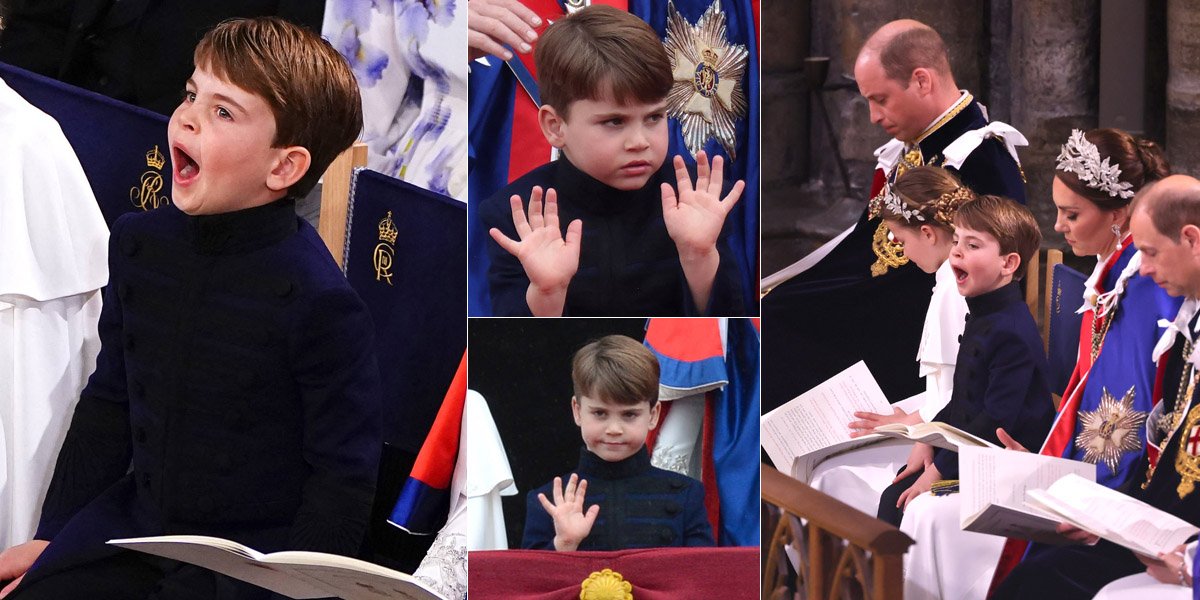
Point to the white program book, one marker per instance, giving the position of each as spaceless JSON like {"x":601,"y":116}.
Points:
{"x":994,"y":483}
{"x":813,"y":426}
{"x":294,"y":574}
{"x":1112,"y":515}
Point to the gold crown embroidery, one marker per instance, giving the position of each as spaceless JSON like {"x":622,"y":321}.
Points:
{"x":605,"y":585}
{"x":145,"y":194}
{"x":384,"y":253}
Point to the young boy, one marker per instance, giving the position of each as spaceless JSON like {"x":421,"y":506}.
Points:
{"x":633,"y":245}
{"x":635,"y":505}
{"x":1000,"y":377}
{"x":236,"y":392}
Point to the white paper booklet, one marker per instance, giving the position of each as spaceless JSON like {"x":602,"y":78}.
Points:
{"x":994,"y":482}
{"x":1112,"y":515}
{"x":813,"y":426}
{"x":935,"y":434}
{"x":294,"y":574}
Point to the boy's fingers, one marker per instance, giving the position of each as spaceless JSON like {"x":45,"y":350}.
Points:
{"x":701,"y":171}
{"x":591,"y":515}
{"x":569,"y":492}
{"x":1008,"y":441}
{"x":518,"y":215}
{"x":510,"y":246}
{"x":908,"y":470}
{"x":535,"y":208}
{"x":717,"y":175}
{"x":551,"y":209}
{"x":12,"y":586}
{"x":668,"y":198}
{"x":558,"y":491}
{"x":734,"y":195}
{"x":575,"y":234}
{"x":682,"y":179}
{"x":580,"y":493}
{"x":545,"y":503}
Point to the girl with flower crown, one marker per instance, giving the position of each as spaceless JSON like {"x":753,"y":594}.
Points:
{"x":1111,"y":389}
{"x":919,"y":211}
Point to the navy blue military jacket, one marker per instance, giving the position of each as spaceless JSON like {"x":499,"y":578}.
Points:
{"x":1164,"y":487}
{"x":641,"y":506}
{"x":875,"y":319}
{"x":235,"y":394}
{"x":1000,"y":376}
{"x":628,"y":265}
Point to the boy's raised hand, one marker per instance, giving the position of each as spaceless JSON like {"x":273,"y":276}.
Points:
{"x":571,"y":524}
{"x":695,"y":216}
{"x":549,"y":260}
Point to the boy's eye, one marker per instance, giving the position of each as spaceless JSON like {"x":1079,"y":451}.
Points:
{"x":189,"y":96}
{"x":598,"y":413}
{"x":615,"y":122}
{"x":656,"y":117}
{"x":224,"y":113}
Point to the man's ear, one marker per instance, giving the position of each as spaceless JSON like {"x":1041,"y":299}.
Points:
{"x":1012,"y":261}
{"x":552,"y":125}
{"x":654,"y":412}
{"x":290,"y":165}
{"x":1190,"y":235}
{"x":575,"y":409}
{"x":923,"y":79}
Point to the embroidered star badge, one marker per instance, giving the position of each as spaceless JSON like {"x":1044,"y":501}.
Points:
{"x":1110,"y":430}
{"x":707,"y":96}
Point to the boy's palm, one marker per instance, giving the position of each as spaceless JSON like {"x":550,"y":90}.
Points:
{"x":549,"y":260}
{"x":694,"y":218}
{"x":571,"y":523}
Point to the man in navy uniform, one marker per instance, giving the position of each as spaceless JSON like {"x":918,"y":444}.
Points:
{"x":833,"y":314}
{"x":1166,"y":229}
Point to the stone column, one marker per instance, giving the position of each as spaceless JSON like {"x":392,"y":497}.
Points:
{"x":1183,"y":86}
{"x":1055,"y":70}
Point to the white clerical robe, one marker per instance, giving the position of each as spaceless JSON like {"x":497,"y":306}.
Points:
{"x":53,"y":261}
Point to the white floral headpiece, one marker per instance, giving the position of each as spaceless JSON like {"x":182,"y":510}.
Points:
{"x":887,"y":200}
{"x":1081,"y":157}
{"x":943,"y":208}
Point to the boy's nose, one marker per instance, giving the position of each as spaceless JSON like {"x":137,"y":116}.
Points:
{"x":638,"y":140}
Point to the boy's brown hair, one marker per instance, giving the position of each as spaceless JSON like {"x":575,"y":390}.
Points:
{"x":600,"y":50}
{"x":308,"y":85}
{"x":616,"y":368}
{"x":1011,"y":224}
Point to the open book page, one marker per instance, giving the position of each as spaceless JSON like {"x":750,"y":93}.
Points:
{"x":994,"y":483}
{"x":813,"y":425}
{"x":293,"y":574}
{"x":225,"y":557}
{"x":1112,"y":515}
{"x":936,"y":434}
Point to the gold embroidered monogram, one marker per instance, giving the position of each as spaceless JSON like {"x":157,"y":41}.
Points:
{"x":145,"y":194}
{"x":605,"y":585}
{"x":384,"y":251}
{"x":1111,"y":430}
{"x":707,"y":96}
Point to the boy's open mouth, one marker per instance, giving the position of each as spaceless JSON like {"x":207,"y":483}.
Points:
{"x":959,"y":274}
{"x":186,"y":168}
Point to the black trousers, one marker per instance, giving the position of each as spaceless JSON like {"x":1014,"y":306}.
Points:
{"x":887,"y":501}
{"x":130,"y":575}
{"x":1068,"y":572}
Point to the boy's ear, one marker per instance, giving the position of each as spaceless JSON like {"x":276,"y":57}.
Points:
{"x":552,"y":125}
{"x":1012,"y":261}
{"x":575,"y":409}
{"x":290,"y":165}
{"x":654,"y":411}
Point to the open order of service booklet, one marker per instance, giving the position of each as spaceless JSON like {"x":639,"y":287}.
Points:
{"x":814,"y":425}
{"x":294,"y":574}
{"x":1112,"y":515}
{"x":994,"y":483}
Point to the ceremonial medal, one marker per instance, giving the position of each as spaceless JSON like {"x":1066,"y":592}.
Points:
{"x":707,"y":95}
{"x":605,"y":585}
{"x":1111,"y":430}
{"x":1187,"y":458}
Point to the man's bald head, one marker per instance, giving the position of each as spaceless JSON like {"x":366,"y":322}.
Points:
{"x":1171,"y":203}
{"x":903,"y":46}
